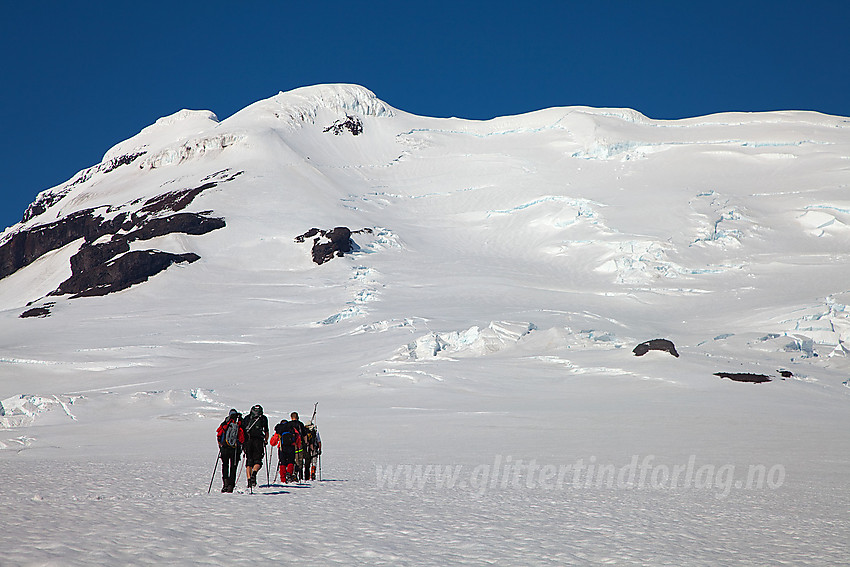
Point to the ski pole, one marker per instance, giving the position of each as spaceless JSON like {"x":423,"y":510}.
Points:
{"x":214,"y":469}
{"x":239,"y":474}
{"x":268,"y":464}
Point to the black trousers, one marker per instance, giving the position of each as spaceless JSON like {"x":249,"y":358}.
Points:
{"x":308,"y":463}
{"x":286,"y":455}
{"x":229,"y":465}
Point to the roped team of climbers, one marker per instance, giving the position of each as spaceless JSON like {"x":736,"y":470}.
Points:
{"x":299,"y":447}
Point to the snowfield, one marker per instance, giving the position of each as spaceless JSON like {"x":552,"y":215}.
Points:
{"x":479,"y":400}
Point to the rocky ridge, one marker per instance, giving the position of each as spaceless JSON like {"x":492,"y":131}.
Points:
{"x":104,"y":262}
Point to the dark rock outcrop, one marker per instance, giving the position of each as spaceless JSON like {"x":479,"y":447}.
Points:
{"x":656,"y":344}
{"x":173,"y":200}
{"x":44,"y":202}
{"x":339,"y":244}
{"x":351,"y":123}
{"x":744,"y":377}
{"x":92,"y":255}
{"x":184,"y":223}
{"x":328,"y":244}
{"x":104,"y":262}
{"x":120,"y":273}
{"x":43,"y":311}
{"x":26,"y":246}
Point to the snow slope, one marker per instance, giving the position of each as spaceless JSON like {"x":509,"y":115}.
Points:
{"x":486,"y":323}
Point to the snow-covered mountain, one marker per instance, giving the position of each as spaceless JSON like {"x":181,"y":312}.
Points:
{"x":452,"y":292}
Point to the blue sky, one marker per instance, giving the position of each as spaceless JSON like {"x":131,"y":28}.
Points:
{"x":79,"y":77}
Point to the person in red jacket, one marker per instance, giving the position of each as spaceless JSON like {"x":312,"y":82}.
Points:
{"x":288,"y":440}
{"x":231,"y":437}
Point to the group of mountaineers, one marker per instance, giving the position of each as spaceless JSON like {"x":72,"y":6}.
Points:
{"x":298,"y":447}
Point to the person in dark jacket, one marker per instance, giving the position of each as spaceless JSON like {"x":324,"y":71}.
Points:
{"x":299,"y":452}
{"x":312,"y":445}
{"x":230,"y":441}
{"x":256,"y":437}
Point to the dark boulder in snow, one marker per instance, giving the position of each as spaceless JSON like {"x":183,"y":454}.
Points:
{"x":656,"y":344}
{"x":744,"y":377}
{"x":338,"y":243}
{"x":330,"y":243}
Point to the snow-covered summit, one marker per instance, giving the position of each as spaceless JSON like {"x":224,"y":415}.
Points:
{"x":309,"y":104}
{"x":344,"y":98}
{"x":578,"y":183}
{"x":184,"y":116}
{"x":181,"y":125}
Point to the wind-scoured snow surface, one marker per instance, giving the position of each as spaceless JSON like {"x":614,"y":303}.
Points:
{"x":482,"y":329}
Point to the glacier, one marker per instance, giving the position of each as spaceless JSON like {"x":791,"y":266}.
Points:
{"x":479,"y":401}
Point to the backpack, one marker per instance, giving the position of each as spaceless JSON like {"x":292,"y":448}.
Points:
{"x":309,"y":440}
{"x":230,"y":436}
{"x":257,"y":426}
{"x":286,"y":433}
